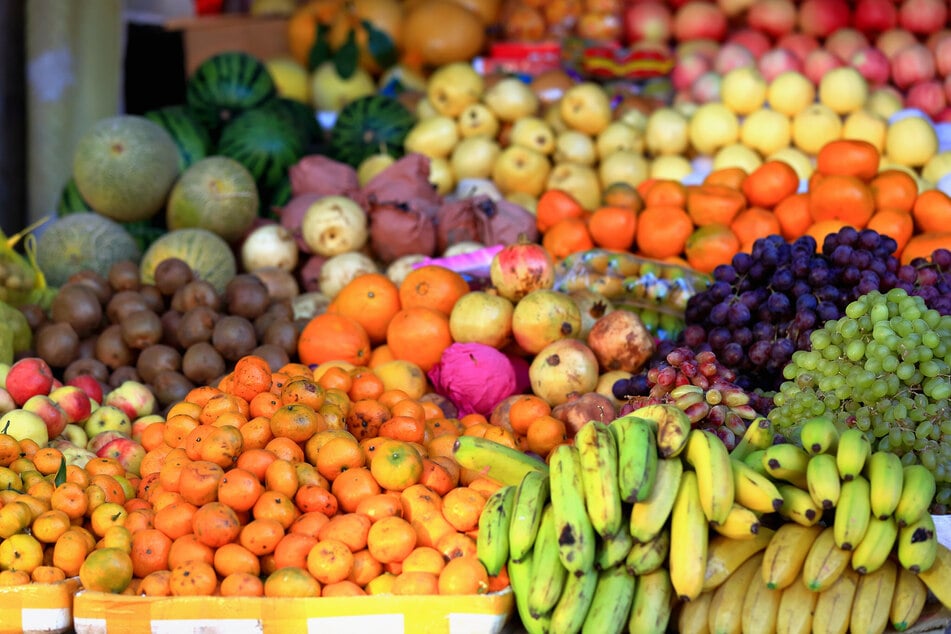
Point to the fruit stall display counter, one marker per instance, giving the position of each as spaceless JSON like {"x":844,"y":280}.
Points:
{"x":38,"y":607}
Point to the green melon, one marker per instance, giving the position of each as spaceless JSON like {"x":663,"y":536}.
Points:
{"x":218,"y":194}
{"x":70,"y":200}
{"x":370,"y":125}
{"x":83,"y":240}
{"x":124,"y":167}
{"x":208,"y":255}
{"x":227,"y":84}
{"x":190,"y":135}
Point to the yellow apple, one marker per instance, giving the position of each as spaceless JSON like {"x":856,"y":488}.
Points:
{"x":618,"y":135}
{"x":797,"y":159}
{"x":534,"y":133}
{"x":843,"y":89}
{"x":521,"y":169}
{"x":766,"y":131}
{"x":743,"y":90}
{"x":884,"y":102}
{"x":453,"y":87}
{"x":911,"y":141}
{"x":713,"y":126}
{"x":510,"y":99}
{"x":737,"y":155}
{"x":572,"y":146}
{"x":666,"y":132}
{"x":477,"y":119}
{"x":790,"y":92}
{"x":586,"y":107}
{"x":814,"y":127}
{"x":937,"y":167}
{"x":623,"y":167}
{"x":435,"y":137}
{"x":474,"y":156}
{"x":670,"y":167}
{"x":865,"y":125}
{"x":581,"y":181}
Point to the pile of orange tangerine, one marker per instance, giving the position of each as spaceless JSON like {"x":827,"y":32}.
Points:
{"x":288,"y":483}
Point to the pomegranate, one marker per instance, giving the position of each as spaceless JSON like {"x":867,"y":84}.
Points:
{"x":544,"y":316}
{"x":563,"y":368}
{"x":520,"y":268}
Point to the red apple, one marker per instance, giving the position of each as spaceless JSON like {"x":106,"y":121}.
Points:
{"x":911,"y":65}
{"x":775,"y":18}
{"x":733,"y":56}
{"x":818,"y":63}
{"x":943,"y":117}
{"x":941,"y":48}
{"x":893,"y":40}
{"x":874,"y":16}
{"x":872,"y":64}
{"x":6,"y":402}
{"x":74,"y":401}
{"x":844,"y":42}
{"x":777,"y":61}
{"x":928,"y":96}
{"x":923,"y":16}
{"x":133,"y":398}
{"x":688,"y":68}
{"x":52,"y":414}
{"x":800,"y":44}
{"x":734,"y":8}
{"x":823,"y":17}
{"x":126,"y":452}
{"x":28,"y":377}
{"x":99,"y":440}
{"x":698,"y":19}
{"x":88,"y":384}
{"x":756,"y":42}
{"x":648,"y":21}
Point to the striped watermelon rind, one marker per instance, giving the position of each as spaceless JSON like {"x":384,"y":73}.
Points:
{"x":266,"y":143}
{"x":370,"y":125}
{"x":189,"y":133}
{"x":227,"y":84}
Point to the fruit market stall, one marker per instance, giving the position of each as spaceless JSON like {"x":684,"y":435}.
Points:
{"x":597,"y":318}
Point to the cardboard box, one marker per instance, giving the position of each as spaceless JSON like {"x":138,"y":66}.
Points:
{"x":202,"y":37}
{"x":101,"y":613}
{"x":36,"y":608}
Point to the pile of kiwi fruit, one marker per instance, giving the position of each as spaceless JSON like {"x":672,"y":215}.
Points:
{"x":173,"y":335}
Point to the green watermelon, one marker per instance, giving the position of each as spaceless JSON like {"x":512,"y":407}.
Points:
{"x":302,"y":118}
{"x":265,"y":142}
{"x":84,"y":240}
{"x":227,"y":84}
{"x":70,"y":200}
{"x":190,"y":135}
{"x":370,"y":125}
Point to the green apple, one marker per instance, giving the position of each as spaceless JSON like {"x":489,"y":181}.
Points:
{"x":22,"y":424}
{"x":75,"y":434}
{"x":108,"y":418}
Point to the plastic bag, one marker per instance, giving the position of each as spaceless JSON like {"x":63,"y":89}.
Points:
{"x":21,"y":280}
{"x":656,"y":291}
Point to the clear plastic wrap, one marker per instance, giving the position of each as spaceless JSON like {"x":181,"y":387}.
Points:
{"x":656,"y":291}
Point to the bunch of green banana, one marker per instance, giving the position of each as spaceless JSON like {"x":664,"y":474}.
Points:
{"x":494,"y":460}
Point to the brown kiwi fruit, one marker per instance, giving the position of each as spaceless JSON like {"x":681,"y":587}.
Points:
{"x":97,"y":282}
{"x":282,"y":308}
{"x":93,"y":367}
{"x":122,"y":374}
{"x":141,"y":329}
{"x":124,"y":276}
{"x":35,"y":315}
{"x":152,"y":297}
{"x":170,"y":321}
{"x":170,"y":387}
{"x":111,"y":349}
{"x":202,"y":364}
{"x":197,"y":324}
{"x":196,"y":293}
{"x":275,"y":356}
{"x":156,"y":358}
{"x":172,"y":274}
{"x":123,"y":303}
{"x":77,"y":305}
{"x":246,"y":296}
{"x":233,"y":337}
{"x":57,"y":344}
{"x":283,"y":334}
{"x":87,"y":347}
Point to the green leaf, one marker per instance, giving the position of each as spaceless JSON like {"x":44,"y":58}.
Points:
{"x":381,"y":46}
{"x":60,"y":476}
{"x":320,"y":52}
{"x":347,"y":56}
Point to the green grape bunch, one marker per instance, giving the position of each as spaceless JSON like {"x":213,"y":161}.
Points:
{"x":884,"y":368}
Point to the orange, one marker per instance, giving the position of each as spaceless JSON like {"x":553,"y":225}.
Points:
{"x":296,"y":421}
{"x":397,"y":466}
{"x":848,"y":157}
{"x":193,"y":579}
{"x":794,"y":216}
{"x":663,"y":231}
{"x":391,"y":539}
{"x":239,"y":489}
{"x":932,"y":211}
{"x":353,"y":486}
{"x":366,"y":385}
{"x":425,"y":559}
{"x":613,"y":227}
{"x":309,"y":523}
{"x":666,"y":192}
{"x":199,"y":481}
{"x":731,"y":177}
{"x":432,"y":286}
{"x":622,"y":195}
{"x":277,"y":506}
{"x":554,"y":205}
{"x":754,"y":223}
{"x":841,"y":197}
{"x":380,"y":505}
{"x":315,"y":498}
{"x":440,"y":474}
{"x":106,"y":570}
{"x":175,"y":520}
{"x":345,"y":588}
{"x":894,"y":223}
{"x":330,"y":561}
{"x":567,"y":236}
{"x":371,"y":299}
{"x":252,"y":375}
{"x":770,"y":183}
{"x":150,"y":548}
{"x":462,"y":507}
{"x":453,"y":545}
{"x":261,"y":535}
{"x":304,"y":391}
{"x":351,"y":529}
{"x":545,"y":433}
{"x":333,"y":337}
{"x":216,"y":524}
{"x":922,"y":245}
{"x":819,"y":230}
{"x":420,"y":335}
{"x":416,"y":583}
{"x":895,"y":189}
{"x":241,"y":584}
{"x":403,"y":428}
{"x":281,"y":476}
{"x":710,"y":246}
{"x":708,"y":204}
{"x":70,"y":550}
{"x":233,"y":557}
{"x":464,"y":575}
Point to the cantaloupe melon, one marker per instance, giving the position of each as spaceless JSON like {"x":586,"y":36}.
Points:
{"x":218,"y":194}
{"x":208,"y":255}
{"x":124,"y":167}
{"x":84,"y":240}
